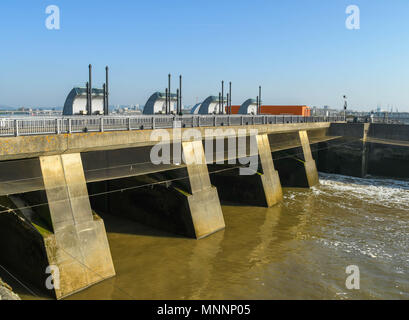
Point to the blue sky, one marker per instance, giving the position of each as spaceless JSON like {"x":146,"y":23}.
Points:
{"x":298,"y":50}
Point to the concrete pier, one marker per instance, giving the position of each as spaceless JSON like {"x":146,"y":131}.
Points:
{"x":270,"y":178}
{"x":79,"y":246}
{"x":207,"y":216}
{"x":309,"y":164}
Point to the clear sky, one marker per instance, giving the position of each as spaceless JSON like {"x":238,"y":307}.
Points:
{"x":299,"y":50}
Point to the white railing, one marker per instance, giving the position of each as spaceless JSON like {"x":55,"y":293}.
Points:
{"x":75,"y":124}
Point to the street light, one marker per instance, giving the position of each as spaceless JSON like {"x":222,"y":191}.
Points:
{"x":345,"y":107}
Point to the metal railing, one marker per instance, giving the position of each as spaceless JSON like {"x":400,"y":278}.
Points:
{"x":376,"y":119}
{"x":75,"y":124}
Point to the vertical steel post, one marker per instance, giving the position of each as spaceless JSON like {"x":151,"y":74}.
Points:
{"x":16,"y":133}
{"x":177,"y":102}
{"x":87,"y":107}
{"x":106,"y":90}
{"x":222,"y":111}
{"x":227,"y":106}
{"x":169,"y":93}
{"x":259,"y":100}
{"x":105,"y":97}
{"x":230,"y":97}
{"x":166,"y":101}
{"x":219,"y":101}
{"x":180,"y":94}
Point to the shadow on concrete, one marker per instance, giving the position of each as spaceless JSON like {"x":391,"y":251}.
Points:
{"x":237,"y":204}
{"x":118,"y":224}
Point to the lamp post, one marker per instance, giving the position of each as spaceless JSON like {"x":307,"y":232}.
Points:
{"x":345,"y":107}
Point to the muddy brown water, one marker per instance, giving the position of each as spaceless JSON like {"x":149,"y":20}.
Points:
{"x":297,"y":250}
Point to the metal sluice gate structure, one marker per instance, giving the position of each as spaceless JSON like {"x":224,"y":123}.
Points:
{"x":13,"y":127}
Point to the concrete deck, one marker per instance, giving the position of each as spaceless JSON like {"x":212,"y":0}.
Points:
{"x":22,"y":147}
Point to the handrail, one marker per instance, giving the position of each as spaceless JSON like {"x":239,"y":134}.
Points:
{"x":75,"y":124}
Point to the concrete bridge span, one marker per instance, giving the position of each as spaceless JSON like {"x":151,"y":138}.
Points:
{"x":114,"y":155}
{"x":50,"y":144}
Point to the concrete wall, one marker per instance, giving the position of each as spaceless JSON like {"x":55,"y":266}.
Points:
{"x":388,"y":160}
{"x":376,"y":149}
{"x":399,"y":132}
{"x":344,"y":156}
{"x":389,"y":131}
{"x":355,"y":130}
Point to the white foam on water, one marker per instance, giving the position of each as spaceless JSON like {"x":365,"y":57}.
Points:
{"x":389,"y":193}
{"x":360,"y":217}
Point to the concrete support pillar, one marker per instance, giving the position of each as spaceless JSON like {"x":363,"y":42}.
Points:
{"x":79,"y":247}
{"x":270,"y":178}
{"x":204,"y":203}
{"x":309,"y":164}
{"x":365,"y":149}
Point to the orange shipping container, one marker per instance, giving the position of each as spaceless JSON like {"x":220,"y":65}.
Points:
{"x":234,"y":109}
{"x":279,"y":110}
{"x":292,"y":110}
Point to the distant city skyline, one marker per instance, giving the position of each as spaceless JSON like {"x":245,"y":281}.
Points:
{"x":299,"y":52}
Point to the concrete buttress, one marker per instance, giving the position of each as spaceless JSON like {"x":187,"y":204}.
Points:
{"x":204,"y":203}
{"x":270,"y":178}
{"x":309,"y":164}
{"x":80,"y":246}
